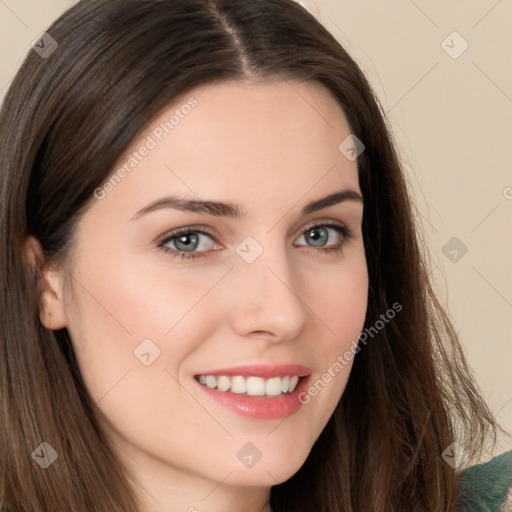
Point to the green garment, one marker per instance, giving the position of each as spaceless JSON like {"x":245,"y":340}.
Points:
{"x":487,"y":487}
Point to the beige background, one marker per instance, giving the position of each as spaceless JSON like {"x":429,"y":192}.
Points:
{"x":452,"y":119}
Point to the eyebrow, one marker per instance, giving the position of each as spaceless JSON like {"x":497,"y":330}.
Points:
{"x":220,"y":209}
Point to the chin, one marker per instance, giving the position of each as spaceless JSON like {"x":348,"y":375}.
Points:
{"x":265,"y":473}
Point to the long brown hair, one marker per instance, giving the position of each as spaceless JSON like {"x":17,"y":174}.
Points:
{"x":66,"y":120}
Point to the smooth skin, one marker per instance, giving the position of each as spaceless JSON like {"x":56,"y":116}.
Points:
{"x":269,"y":148}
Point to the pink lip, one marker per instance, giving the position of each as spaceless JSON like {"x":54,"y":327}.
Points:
{"x":262,"y":370}
{"x":261,"y":407}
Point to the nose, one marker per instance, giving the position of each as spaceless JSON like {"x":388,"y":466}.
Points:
{"x":266,"y":297}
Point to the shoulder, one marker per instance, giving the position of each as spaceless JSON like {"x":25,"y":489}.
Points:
{"x":487,"y":487}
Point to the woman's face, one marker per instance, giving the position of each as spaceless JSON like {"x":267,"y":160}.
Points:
{"x":262,"y":298}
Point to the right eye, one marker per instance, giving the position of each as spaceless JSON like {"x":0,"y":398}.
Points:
{"x":186,"y":242}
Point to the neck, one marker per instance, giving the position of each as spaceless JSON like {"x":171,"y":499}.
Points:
{"x":161,"y":488}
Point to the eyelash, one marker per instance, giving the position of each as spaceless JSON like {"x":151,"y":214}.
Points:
{"x":341,"y":229}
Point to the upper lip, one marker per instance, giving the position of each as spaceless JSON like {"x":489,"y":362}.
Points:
{"x":266,"y":371}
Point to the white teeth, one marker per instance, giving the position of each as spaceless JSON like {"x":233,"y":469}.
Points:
{"x":273,"y":386}
{"x":238,"y":384}
{"x":223,"y":383}
{"x":253,"y":386}
{"x":211,"y":381}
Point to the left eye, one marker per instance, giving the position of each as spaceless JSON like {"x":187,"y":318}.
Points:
{"x":319,"y":235}
{"x":188,"y":245}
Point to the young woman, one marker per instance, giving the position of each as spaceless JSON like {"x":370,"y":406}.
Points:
{"x":214,"y":297}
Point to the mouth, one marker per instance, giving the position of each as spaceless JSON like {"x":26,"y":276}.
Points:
{"x":251,"y":385}
{"x":257,"y":391}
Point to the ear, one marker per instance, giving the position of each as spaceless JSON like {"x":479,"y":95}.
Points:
{"x":52,"y":314}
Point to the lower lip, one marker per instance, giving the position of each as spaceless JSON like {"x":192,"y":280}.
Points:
{"x":259,"y":407}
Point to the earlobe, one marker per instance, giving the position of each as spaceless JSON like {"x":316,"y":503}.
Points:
{"x":52,"y":314}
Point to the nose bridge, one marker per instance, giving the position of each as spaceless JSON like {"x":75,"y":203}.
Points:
{"x":267,"y":295}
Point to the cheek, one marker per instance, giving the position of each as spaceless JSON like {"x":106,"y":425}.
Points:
{"x":123,"y":310}
{"x":340,"y":299}
{"x":129,"y":297}
{"x":131,"y":331}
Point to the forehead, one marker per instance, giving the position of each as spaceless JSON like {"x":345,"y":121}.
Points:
{"x":240,"y":141}
{"x":262,"y":112}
